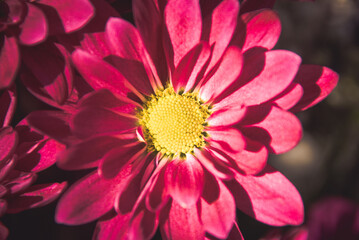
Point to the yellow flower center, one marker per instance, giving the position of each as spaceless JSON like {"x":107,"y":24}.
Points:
{"x":174,"y":123}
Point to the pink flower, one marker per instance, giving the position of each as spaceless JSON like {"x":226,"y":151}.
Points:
{"x":30,"y":22}
{"x":194,"y":102}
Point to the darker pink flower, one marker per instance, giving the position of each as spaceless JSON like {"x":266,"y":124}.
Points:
{"x":30,"y":22}
{"x":194,"y":101}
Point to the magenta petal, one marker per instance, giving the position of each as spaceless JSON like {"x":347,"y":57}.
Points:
{"x":3,"y":208}
{"x":278,"y":71}
{"x":118,"y":158}
{"x":20,"y":182}
{"x":8,"y":143}
{"x":182,"y":223}
{"x":92,"y":121}
{"x":73,"y":14}
{"x":213,"y":164}
{"x":52,"y":123}
{"x":223,"y":23}
{"x":317,"y":82}
{"x":89,"y":198}
{"x":223,"y":117}
{"x":235,"y":233}
{"x":229,"y":139}
{"x":269,"y":197}
{"x":262,"y":29}
{"x":184,"y":25}
{"x":184,"y":180}
{"x":185,"y":75}
{"x":227,"y":72}
{"x":36,"y":196}
{"x":251,"y":5}
{"x":112,"y":227}
{"x":34,"y":29}
{"x":290,"y":97}
{"x":99,"y":74}
{"x":218,"y":216}
{"x":9,"y":61}
{"x":143,"y":224}
{"x":8,"y":100}
{"x":4,"y":232}
{"x":283,"y":128}
{"x":88,"y":153}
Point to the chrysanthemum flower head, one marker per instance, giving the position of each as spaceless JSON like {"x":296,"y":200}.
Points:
{"x":194,"y":102}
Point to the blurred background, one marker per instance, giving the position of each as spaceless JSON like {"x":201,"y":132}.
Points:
{"x":325,"y":163}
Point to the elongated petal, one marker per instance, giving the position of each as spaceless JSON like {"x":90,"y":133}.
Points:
{"x":290,"y":97}
{"x":20,"y":181}
{"x":34,"y":29}
{"x":99,"y":74}
{"x":112,"y":226}
{"x":317,"y":82}
{"x":8,"y":143}
{"x":8,"y":100}
{"x":223,"y":24}
{"x":251,"y":5}
{"x":184,"y":181}
{"x":73,"y":14}
{"x":117,"y":159}
{"x":88,"y":153}
{"x":9,"y":61}
{"x":227,"y":72}
{"x":269,"y":197}
{"x":218,"y":216}
{"x":182,"y":223}
{"x":262,"y":29}
{"x":222,"y":117}
{"x":283,"y":129}
{"x":4,"y":232}
{"x":89,"y":198}
{"x":263,"y":77}
{"x":143,"y":224}
{"x":49,"y":73}
{"x":92,"y":121}
{"x":235,"y":233}
{"x":52,"y":123}
{"x":184,"y":25}
{"x":185,"y":75}
{"x":36,"y":196}
{"x":229,"y":139}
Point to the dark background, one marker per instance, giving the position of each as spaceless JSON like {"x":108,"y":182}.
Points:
{"x":325,"y":163}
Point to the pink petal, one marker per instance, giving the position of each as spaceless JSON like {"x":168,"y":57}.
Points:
{"x":9,"y":61}
{"x":49,"y":73}
{"x":262,"y":29}
{"x":186,"y":74}
{"x":269,"y":197}
{"x":182,"y":223}
{"x":52,"y":123}
{"x":73,"y":14}
{"x":8,"y":143}
{"x":157,"y":196}
{"x":213,"y":164}
{"x":87,"y":153}
{"x":20,"y":181}
{"x":290,"y":97}
{"x":36,"y":196}
{"x":148,"y":20}
{"x":184,"y":23}
{"x":218,"y":216}
{"x":8,"y":99}
{"x":184,"y":180}
{"x":229,"y":139}
{"x":91,"y":121}
{"x":263,"y":77}
{"x":112,"y":226}
{"x":235,"y":233}
{"x":99,"y":74}
{"x":222,"y":117}
{"x":225,"y":74}
{"x":34,"y":28}
{"x":223,"y":24}
{"x":251,"y":5}
{"x":283,"y":129}
{"x":143,"y":224}
{"x":41,"y":157}
{"x":317,"y":82}
{"x":118,"y":158}
{"x":89,"y":198}
{"x":5,"y":170}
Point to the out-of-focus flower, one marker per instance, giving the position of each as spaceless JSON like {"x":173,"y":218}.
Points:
{"x":29,"y":23}
{"x":181,"y":134}
{"x":328,"y":219}
{"x":251,"y":5}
